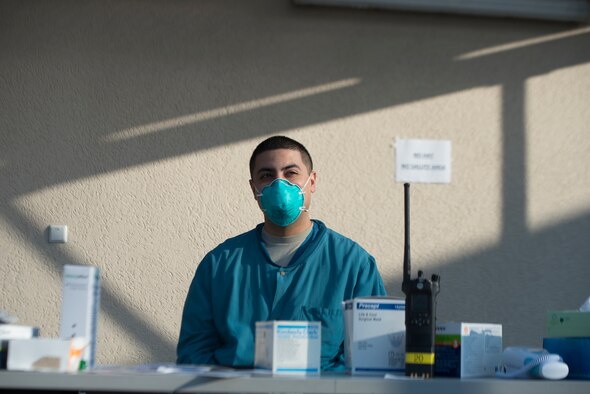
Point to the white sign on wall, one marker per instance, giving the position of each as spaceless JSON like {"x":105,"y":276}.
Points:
{"x":425,"y":161}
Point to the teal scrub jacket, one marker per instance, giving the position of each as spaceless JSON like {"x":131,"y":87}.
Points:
{"x":237,"y":285}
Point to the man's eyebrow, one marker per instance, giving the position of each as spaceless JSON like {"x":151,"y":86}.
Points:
{"x":291,"y":166}
{"x":269,"y":169}
{"x":265,"y":169}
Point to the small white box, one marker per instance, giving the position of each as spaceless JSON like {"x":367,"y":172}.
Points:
{"x":375,"y":335}
{"x":288,"y":347}
{"x":15,"y":331}
{"x":38,"y":354}
{"x":80,"y":303}
{"x":467,"y":350}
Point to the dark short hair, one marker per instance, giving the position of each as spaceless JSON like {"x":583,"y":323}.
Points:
{"x":281,"y":142}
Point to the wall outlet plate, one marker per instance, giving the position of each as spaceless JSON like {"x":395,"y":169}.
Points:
{"x":58,"y":233}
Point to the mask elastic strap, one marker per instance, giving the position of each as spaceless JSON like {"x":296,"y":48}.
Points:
{"x":305,"y":184}
{"x":305,"y":209}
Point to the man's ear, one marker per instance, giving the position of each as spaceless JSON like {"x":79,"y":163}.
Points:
{"x":254,"y":192}
{"x":312,"y":181}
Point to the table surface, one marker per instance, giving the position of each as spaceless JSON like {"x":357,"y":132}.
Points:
{"x":326,"y":383}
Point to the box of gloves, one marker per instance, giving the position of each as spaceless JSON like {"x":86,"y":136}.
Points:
{"x":375,"y":335}
{"x":288,"y":347}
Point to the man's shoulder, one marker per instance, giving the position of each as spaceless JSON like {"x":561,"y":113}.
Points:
{"x":248,"y":238}
{"x":342,"y":242}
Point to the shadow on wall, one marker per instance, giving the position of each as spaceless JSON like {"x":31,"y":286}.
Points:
{"x":107,"y":65}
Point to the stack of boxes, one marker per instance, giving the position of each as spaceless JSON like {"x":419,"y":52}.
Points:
{"x":568,"y":334}
{"x":9,"y":332}
{"x":21,"y":349}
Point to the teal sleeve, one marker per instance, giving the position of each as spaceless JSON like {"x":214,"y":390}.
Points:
{"x":198,"y":338}
{"x":369,"y":282}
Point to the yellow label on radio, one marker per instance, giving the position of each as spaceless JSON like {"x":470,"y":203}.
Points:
{"x":420,"y":358}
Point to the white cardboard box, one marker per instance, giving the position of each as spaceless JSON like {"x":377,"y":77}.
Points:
{"x":467,"y":350}
{"x":38,"y":354}
{"x":288,"y":347}
{"x":80,"y":303}
{"x":375,"y":335}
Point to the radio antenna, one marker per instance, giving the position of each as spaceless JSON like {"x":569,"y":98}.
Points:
{"x":407,"y":263}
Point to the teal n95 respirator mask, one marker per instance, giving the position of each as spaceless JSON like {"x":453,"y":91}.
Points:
{"x":282,"y":201}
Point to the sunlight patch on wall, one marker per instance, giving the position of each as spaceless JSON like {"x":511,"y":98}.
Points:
{"x":522,"y":43}
{"x":558,"y":146}
{"x":229,"y":110}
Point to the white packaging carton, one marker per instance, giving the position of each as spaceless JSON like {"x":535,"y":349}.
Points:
{"x":38,"y":354}
{"x":375,"y":335}
{"x":288,"y":347}
{"x":80,"y":303}
{"x":467,"y":350}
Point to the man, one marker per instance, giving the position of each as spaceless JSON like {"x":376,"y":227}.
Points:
{"x":288,"y":268}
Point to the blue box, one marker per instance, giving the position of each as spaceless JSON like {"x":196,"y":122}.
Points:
{"x":575,"y":353}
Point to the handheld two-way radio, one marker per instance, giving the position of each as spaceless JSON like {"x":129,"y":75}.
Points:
{"x":420,"y":309}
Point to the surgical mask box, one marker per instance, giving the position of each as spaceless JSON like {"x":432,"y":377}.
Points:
{"x":575,"y":353}
{"x":288,"y":347}
{"x":375,"y":335}
{"x":467,"y":350}
{"x":568,"y":324}
{"x":13,"y":331}
{"x":80,"y":303}
{"x":38,"y":354}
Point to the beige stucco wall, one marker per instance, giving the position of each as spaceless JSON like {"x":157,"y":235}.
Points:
{"x":133,"y":121}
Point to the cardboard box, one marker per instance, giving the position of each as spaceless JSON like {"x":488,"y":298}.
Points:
{"x":38,"y":354}
{"x":289,"y":347}
{"x":568,"y":324}
{"x":80,"y":303}
{"x":467,"y":350}
{"x":575,"y":353}
{"x":375,"y":335}
{"x":13,"y":331}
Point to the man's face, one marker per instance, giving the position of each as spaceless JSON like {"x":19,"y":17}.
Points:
{"x":282,"y":163}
